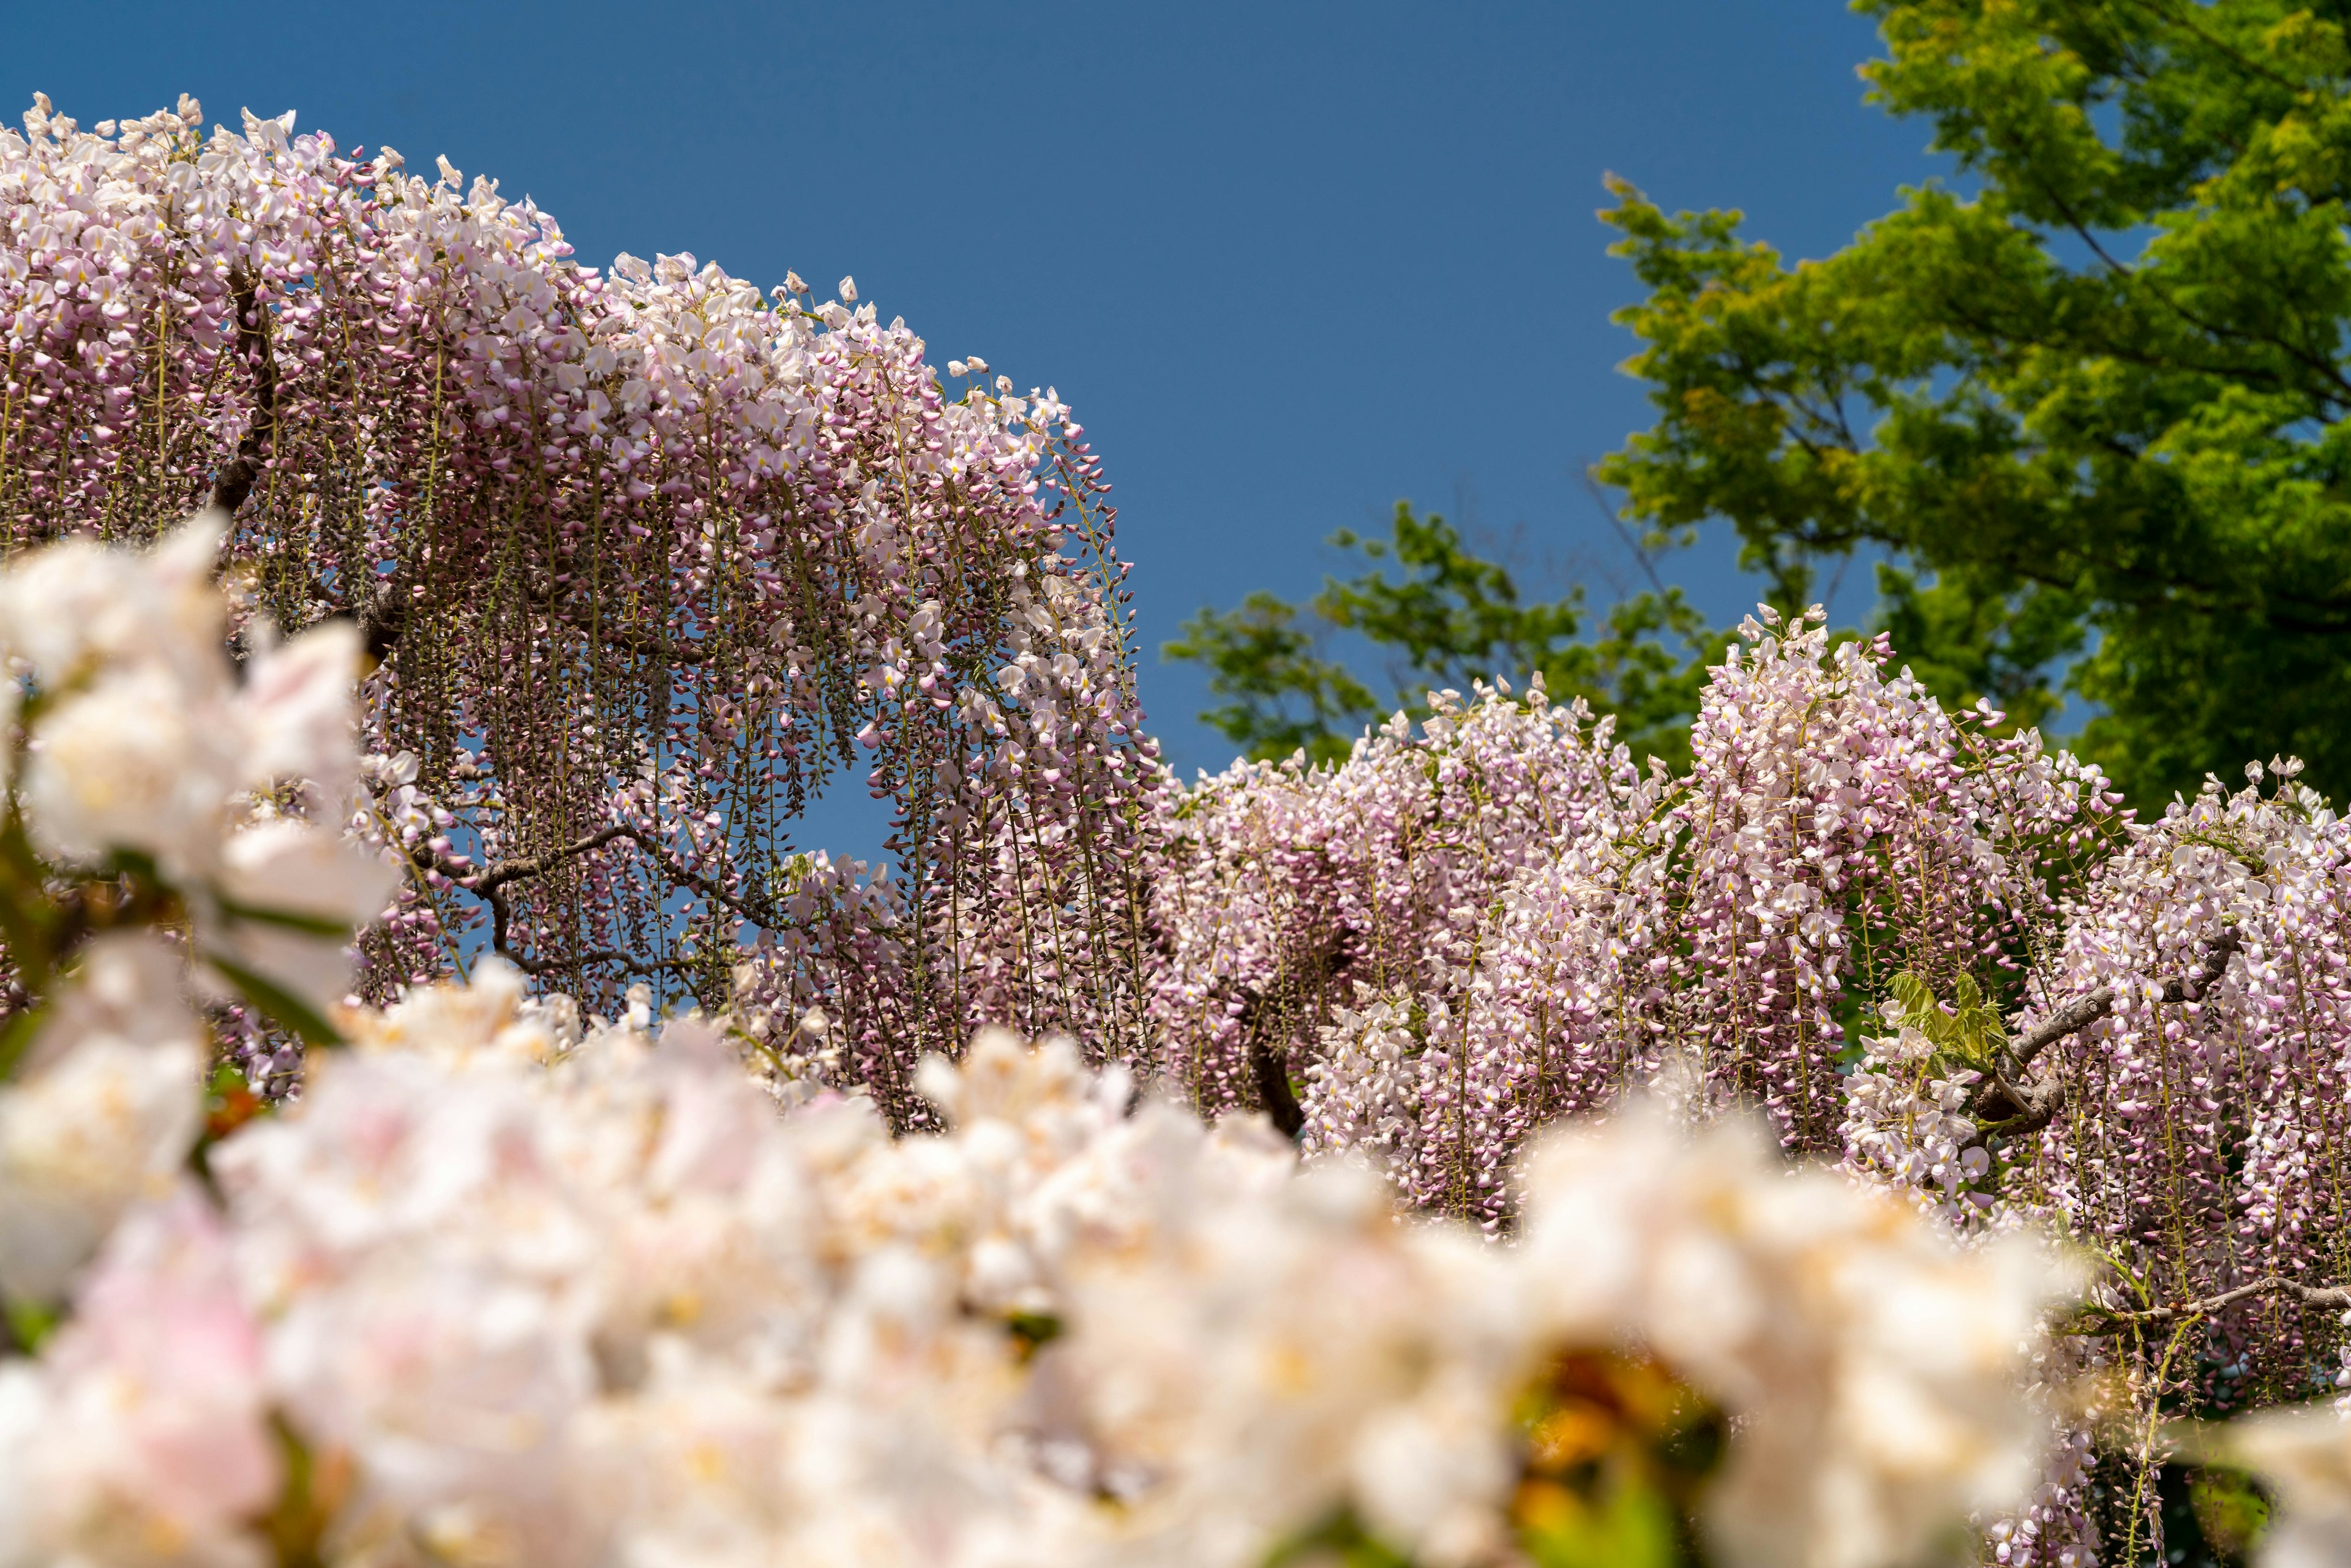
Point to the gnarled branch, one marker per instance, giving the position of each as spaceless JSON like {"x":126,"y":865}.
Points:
{"x":490,"y":882}
{"x":2333,"y":1298}
{"x":235,"y":481}
{"x":2017,"y":1107}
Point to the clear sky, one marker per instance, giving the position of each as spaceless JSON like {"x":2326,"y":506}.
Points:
{"x":1289,"y":261}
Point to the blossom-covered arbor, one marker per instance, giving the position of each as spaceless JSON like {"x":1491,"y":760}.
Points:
{"x":644,"y":559}
{"x":627,"y":566}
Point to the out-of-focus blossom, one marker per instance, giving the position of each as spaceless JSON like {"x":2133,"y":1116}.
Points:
{"x":103,"y":1116}
{"x":522,"y":1292}
{"x":24,"y":1422}
{"x":1277,"y":1357}
{"x":2306,"y":1456}
{"x":146,"y":742}
{"x":136,"y":761}
{"x":79,"y":605}
{"x":154,"y":1442}
{"x":1873,"y":1371}
{"x":287,"y":894}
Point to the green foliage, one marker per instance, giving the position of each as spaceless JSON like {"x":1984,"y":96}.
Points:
{"x":1442,"y":617}
{"x":1618,"y":1453}
{"x":2231,"y":1514}
{"x":1338,"y":1542}
{"x":1285,"y":696}
{"x":1966,"y":1034}
{"x":2095,"y":405}
{"x":2214,"y":1515}
{"x":28,"y":1323}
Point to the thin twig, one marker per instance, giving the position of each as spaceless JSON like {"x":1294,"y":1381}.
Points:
{"x":1600,"y":499}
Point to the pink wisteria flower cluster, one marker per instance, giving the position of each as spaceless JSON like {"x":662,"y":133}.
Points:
{"x":1937,"y":956}
{"x":504,"y":1285}
{"x":675,"y":1200}
{"x":1465,"y":931}
{"x":643,"y":560}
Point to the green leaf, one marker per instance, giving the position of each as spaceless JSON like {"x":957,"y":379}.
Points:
{"x":1920,"y":1011}
{"x":30,"y":1323}
{"x":283,"y":1008}
{"x":287,"y":919}
{"x":1977,"y":1024}
{"x":18,"y":1037}
{"x":1632,"y":1524}
{"x":1033,"y":1331}
{"x":2229,"y":1509}
{"x":1339,"y":1541}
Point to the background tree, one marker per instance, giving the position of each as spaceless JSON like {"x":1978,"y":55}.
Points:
{"x":2085,"y":407}
{"x":1445,"y":618}
{"x":2092,"y":399}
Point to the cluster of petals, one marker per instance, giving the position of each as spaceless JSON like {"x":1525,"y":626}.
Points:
{"x":1462,"y":933}
{"x":140,"y":739}
{"x":507,"y":1291}
{"x":2201,"y":1133}
{"x":648,"y":558}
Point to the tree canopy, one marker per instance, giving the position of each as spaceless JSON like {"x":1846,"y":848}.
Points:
{"x":643,"y":558}
{"x":1447,"y":618}
{"x":2085,"y":399}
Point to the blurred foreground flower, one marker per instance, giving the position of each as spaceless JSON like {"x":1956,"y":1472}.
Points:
{"x":1873,"y":1369}
{"x":493,"y":1290}
{"x":159,"y":812}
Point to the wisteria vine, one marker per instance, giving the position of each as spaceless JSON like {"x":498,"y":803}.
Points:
{"x":633,"y":564}
{"x":645,"y":558}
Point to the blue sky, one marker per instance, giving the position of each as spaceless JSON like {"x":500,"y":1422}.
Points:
{"x":1290,"y":262}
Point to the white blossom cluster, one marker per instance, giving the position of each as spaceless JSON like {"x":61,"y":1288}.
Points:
{"x":499,"y":1289}
{"x":505,"y":1298}
{"x":142,"y":746}
{"x":1906,"y":1123}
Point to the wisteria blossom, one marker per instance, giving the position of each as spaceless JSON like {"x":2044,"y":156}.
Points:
{"x":503,"y":1283}
{"x":447,"y":1116}
{"x":1461,"y":933}
{"x":643,"y":558}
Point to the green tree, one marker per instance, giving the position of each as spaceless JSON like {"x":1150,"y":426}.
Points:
{"x":1440,"y":616}
{"x":2091,"y":400}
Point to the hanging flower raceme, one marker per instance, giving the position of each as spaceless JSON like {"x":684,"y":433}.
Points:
{"x":2187,"y":1105}
{"x":1456,"y":935}
{"x":1291,"y":896}
{"x":645,"y":560}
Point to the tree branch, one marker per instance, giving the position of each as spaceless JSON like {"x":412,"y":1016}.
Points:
{"x":490,"y":882}
{"x":491,"y":878}
{"x":1269,"y":1064}
{"x":597,"y":955}
{"x":2333,"y":1297}
{"x":235,"y":481}
{"x":2031,"y":1106}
